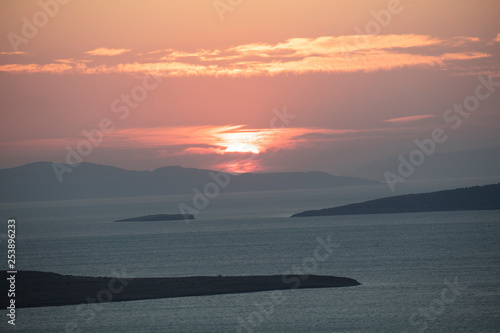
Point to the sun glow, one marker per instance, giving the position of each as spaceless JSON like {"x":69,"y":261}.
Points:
{"x":242,"y":142}
{"x":242,"y":148}
{"x":232,"y":148}
{"x":237,"y":167}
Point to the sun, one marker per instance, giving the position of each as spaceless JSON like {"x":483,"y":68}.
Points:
{"x":241,"y":141}
{"x":240,"y":147}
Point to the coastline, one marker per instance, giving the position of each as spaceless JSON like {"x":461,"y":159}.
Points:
{"x":39,"y":289}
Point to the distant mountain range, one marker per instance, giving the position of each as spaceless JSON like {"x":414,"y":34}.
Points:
{"x":38,"y":182}
{"x":472,"y":198}
{"x":478,"y":163}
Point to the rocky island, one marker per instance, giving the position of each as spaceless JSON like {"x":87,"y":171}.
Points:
{"x":471,"y":198}
{"x":37,"y":289}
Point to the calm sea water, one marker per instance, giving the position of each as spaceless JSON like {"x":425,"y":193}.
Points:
{"x":432,"y":272}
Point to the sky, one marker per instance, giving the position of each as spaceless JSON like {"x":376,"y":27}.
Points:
{"x":245,"y":86}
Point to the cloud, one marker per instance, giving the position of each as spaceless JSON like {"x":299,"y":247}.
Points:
{"x":12,"y":53}
{"x":234,"y":148}
{"x":210,"y":139}
{"x":187,"y":140}
{"x":331,"y":45}
{"x":73,"y":61}
{"x":219,"y":140}
{"x":236,"y":139}
{"x":55,"y":68}
{"x":201,"y":151}
{"x":327,"y":54}
{"x":409,"y":119}
{"x":104,"y":51}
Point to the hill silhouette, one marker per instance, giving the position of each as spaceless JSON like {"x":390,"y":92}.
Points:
{"x":472,"y":198}
{"x":38,"y":182}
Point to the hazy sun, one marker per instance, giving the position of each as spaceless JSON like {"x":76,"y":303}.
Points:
{"x":240,"y":147}
{"x":242,"y":142}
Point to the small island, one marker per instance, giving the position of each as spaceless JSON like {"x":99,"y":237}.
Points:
{"x":37,"y":289}
{"x":470,"y":198}
{"x":158,"y":217}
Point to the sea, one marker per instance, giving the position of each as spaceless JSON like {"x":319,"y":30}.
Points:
{"x":419,"y":272}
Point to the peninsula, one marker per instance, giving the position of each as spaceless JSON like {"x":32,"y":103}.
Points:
{"x":37,"y":289}
{"x":471,"y":198}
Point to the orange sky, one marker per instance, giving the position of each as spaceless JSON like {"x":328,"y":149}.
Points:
{"x":263,"y":86}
